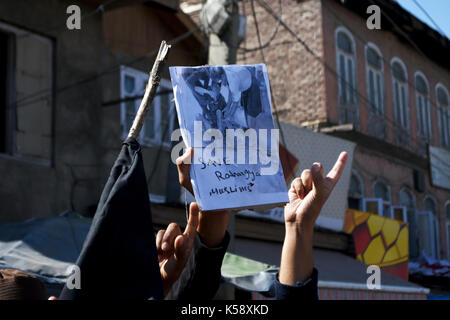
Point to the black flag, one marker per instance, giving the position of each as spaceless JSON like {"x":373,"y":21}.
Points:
{"x":119,"y":258}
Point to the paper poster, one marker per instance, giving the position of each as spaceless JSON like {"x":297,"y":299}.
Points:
{"x":225,"y":114}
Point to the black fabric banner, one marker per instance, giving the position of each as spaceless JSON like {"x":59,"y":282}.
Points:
{"x":119,"y":258}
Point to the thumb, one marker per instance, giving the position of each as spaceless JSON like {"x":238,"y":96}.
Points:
{"x":192,"y":224}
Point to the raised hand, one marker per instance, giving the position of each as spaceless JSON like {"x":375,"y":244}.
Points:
{"x":309,"y":193}
{"x":307,"y":196}
{"x":175,"y":247}
{"x":212,"y":224}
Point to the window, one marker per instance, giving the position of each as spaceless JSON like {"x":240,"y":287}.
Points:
{"x":355,"y":193}
{"x":428,"y":228}
{"x":26,"y":89}
{"x":400,"y":99}
{"x":375,"y":90}
{"x":383,"y":192}
{"x":423,"y":111}
{"x":373,"y":205}
{"x":407,"y":200}
{"x":443,"y":115}
{"x":158,"y":125}
{"x":398,"y":213}
{"x":447,"y":227}
{"x":345,"y":62}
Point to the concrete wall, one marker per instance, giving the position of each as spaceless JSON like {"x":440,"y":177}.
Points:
{"x":33,"y":190}
{"x":86,"y":136}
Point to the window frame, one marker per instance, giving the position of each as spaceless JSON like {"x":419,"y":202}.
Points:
{"x":429,"y":135}
{"x":156,"y":141}
{"x":430,"y":234}
{"x":408,"y":191}
{"x":447,"y":228}
{"x":381,"y":107}
{"x":380,"y":205}
{"x":403,"y":109}
{"x":434,"y":224}
{"x":352,"y":57}
{"x":385,"y":203}
{"x":405,"y":215}
{"x":361,"y":183}
{"x":446,"y":143}
{"x":11,"y":97}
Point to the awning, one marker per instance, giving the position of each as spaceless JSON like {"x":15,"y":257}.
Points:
{"x":45,"y":247}
{"x":341,"y":277}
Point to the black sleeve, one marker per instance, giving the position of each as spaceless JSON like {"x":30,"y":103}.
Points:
{"x":301,"y":291}
{"x":200,"y":278}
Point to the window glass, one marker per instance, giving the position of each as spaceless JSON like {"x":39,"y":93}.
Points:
{"x":424,"y":234}
{"x":355,"y":186}
{"x":423,"y":112}
{"x":129,"y":84}
{"x":26,"y":116}
{"x":421,"y":85}
{"x":398,"y":72}
{"x":443,"y":117}
{"x":429,"y":205}
{"x":442,"y":97}
{"x":373,"y":58}
{"x":406,"y":200}
{"x":348,"y":112}
{"x":381,"y":191}
{"x":158,"y":122}
{"x":374,"y":82}
{"x":344,"y":42}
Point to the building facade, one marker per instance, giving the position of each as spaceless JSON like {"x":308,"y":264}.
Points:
{"x":67,"y":98}
{"x":386,"y":90}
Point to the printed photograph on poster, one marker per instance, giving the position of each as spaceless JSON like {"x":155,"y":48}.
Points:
{"x":229,"y":107}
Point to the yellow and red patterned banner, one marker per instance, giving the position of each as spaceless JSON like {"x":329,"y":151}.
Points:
{"x":379,"y":241}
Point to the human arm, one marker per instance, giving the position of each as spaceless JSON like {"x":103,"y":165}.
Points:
{"x":307,"y":195}
{"x":201,"y":276}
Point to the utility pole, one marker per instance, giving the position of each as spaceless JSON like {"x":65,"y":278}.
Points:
{"x":221,"y":20}
{"x":225,"y":29}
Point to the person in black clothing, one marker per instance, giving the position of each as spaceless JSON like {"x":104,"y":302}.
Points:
{"x":194,"y":265}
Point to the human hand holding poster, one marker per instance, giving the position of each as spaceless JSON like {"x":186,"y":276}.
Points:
{"x":225,"y":114}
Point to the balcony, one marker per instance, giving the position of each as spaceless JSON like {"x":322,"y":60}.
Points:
{"x":369,"y":141}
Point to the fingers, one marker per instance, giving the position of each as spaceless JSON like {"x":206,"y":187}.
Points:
{"x":193,"y":221}
{"x":184,"y":243}
{"x":307,"y":180}
{"x":159,"y":238}
{"x":184,"y":166}
{"x":168,"y":238}
{"x":335,"y":173}
{"x":317,"y":177}
{"x":185,"y":158}
{"x":297,"y":188}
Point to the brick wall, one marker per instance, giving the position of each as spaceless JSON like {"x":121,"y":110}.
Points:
{"x":371,"y":166}
{"x":390,"y":47}
{"x":297,"y":79}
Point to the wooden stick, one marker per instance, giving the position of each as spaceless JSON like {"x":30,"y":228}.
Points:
{"x":150,"y":90}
